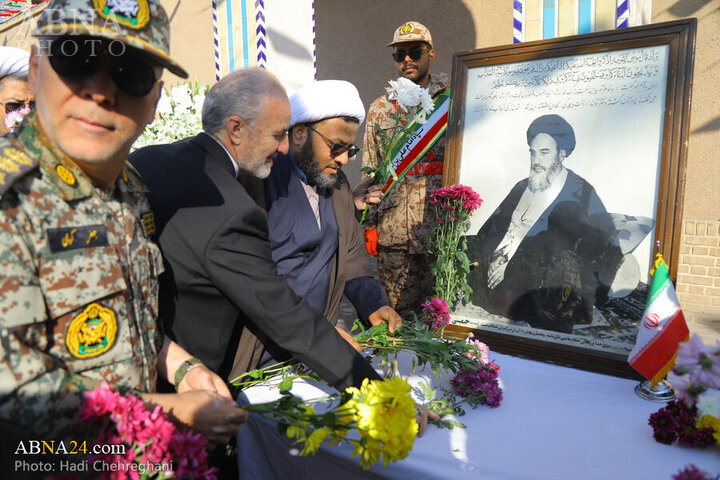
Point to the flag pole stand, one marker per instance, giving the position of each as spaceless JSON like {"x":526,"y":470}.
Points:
{"x":662,"y":392}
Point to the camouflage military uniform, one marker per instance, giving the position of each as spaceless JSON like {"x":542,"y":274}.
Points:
{"x":404,"y":218}
{"x":78,"y":285}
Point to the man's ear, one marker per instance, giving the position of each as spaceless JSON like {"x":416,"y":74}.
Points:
{"x":298,"y":135}
{"x":561,"y":154}
{"x":431,"y":55}
{"x":238,"y":131}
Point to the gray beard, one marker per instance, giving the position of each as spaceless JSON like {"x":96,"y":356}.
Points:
{"x":541,"y":181}
{"x":307,"y":164}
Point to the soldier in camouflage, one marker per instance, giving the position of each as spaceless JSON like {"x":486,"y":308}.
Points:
{"x":78,"y":273}
{"x":398,"y":228}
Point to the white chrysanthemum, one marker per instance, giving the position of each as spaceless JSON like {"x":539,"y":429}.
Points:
{"x":709,"y":405}
{"x":182,"y":96}
{"x":406,"y":93}
{"x":426,"y":103}
{"x":179,"y":116}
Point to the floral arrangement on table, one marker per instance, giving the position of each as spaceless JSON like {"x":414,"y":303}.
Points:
{"x":154,"y":448}
{"x":453,"y":207}
{"x":178,"y":115}
{"x":475,"y":381}
{"x":382,"y":412}
{"x":694,"y":418}
{"x":410,"y":101}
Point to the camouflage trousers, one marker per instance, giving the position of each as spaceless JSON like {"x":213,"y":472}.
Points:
{"x":406,"y":279}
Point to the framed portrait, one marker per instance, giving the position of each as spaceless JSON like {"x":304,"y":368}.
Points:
{"x":578,"y":147}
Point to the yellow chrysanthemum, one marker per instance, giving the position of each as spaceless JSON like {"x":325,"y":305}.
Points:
{"x":313,"y":442}
{"x":385,"y":418}
{"x":295,"y":431}
{"x":710,"y":422}
{"x":369,"y":452}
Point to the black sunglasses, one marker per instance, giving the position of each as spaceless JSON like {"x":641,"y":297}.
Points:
{"x":335,"y":148}
{"x":12,"y":106}
{"x":414,"y":53}
{"x":79,"y":58}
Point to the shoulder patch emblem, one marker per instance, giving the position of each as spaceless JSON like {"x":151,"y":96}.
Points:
{"x":92,"y":332}
{"x":72,"y":238}
{"x":128,"y":13}
{"x":14,"y":164}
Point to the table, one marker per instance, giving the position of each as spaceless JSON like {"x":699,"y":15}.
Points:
{"x":555,"y":423}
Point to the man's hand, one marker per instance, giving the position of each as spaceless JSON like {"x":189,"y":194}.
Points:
{"x":371,"y":241}
{"x":214,"y":417}
{"x":496,"y":269}
{"x":366,"y":192}
{"x":422,"y":418}
{"x":348,"y":338}
{"x":387,"y":315}
{"x":200,"y":377}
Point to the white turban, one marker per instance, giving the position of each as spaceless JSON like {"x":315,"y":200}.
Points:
{"x":14,"y":61}
{"x":326,"y":99}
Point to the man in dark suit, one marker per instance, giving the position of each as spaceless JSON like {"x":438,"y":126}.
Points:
{"x":221,"y":297}
{"x":315,"y":239}
{"x":548,"y":254}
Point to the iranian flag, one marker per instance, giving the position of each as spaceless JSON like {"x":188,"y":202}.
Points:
{"x":662,"y":328}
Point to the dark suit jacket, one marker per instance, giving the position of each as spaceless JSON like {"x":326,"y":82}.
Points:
{"x":284,"y":191}
{"x":220,"y":281}
{"x":552,"y":281}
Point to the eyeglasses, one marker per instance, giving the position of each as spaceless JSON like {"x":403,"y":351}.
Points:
{"x":79,"y":58}
{"x":414,"y":53}
{"x":335,"y":148}
{"x":13,"y":106}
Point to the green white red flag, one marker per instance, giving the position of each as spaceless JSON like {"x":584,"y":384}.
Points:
{"x":661,"y":329}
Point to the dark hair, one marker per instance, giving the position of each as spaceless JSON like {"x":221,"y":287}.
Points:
{"x":555,"y":126}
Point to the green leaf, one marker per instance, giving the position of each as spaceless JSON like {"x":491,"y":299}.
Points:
{"x":286,"y":383}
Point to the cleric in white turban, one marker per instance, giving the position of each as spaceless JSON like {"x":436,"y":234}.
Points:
{"x":15,"y":96}
{"x":315,"y":239}
{"x":325,"y":99}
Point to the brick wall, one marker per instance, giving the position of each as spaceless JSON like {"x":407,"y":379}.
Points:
{"x":698,"y":279}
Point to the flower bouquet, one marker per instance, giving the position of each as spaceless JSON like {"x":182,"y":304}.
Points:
{"x":453,"y":207}
{"x":475,"y":376}
{"x":410,"y":100}
{"x":140,"y":444}
{"x":179,"y":115}
{"x":380,"y":412}
{"x":694,"y":419}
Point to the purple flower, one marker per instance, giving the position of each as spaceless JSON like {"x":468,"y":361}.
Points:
{"x":480,"y":387}
{"x":435,"y":313}
{"x":691,"y":472}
